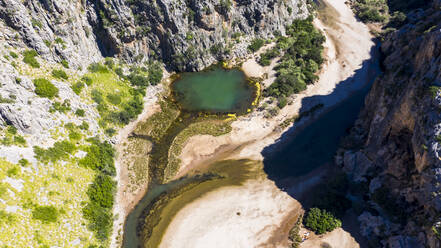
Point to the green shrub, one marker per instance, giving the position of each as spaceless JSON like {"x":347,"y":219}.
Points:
{"x":74,"y":135}
{"x":138,"y":80}
{"x":65,"y":64}
{"x":119,"y":72}
{"x":23,"y":162}
{"x":294,"y":235}
{"x":281,"y":102}
{"x":60,"y":151}
{"x":46,"y":214}
{"x":13,"y":55}
{"x":47,"y":43}
{"x":87,"y":80}
{"x":80,"y":112}
{"x":12,"y":172}
{"x":100,"y":220}
{"x":110,"y":131}
{"x":12,"y":130}
{"x":97,"y":96}
{"x":370,"y":15}
{"x":59,"y":74}
{"x":130,"y":111}
{"x":114,"y":99}
{"x":256,"y":44}
{"x":321,"y":221}
{"x":58,"y":40}
{"x":302,"y":58}
{"x":155,"y":73}
{"x":100,"y":158}
{"x":77,"y":87}
{"x":97,"y":67}
{"x":102,"y":190}
{"x":266,"y":57}
{"x":29,"y":58}
{"x":44,"y":88}
{"x":19,"y":140}
{"x":36,"y":23}
{"x":109,"y":62}
{"x":84,"y":126}
{"x":60,"y":107}
{"x":98,"y":211}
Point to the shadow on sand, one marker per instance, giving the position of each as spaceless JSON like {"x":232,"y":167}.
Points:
{"x":304,"y":155}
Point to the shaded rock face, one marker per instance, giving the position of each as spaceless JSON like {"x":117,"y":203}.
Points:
{"x":185,"y":34}
{"x":400,"y":127}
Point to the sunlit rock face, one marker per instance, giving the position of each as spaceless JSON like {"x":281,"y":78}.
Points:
{"x":187,"y":35}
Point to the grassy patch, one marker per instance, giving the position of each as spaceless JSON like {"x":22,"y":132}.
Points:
{"x":118,"y":103}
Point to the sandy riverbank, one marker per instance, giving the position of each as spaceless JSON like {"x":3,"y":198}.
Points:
{"x":211,"y":221}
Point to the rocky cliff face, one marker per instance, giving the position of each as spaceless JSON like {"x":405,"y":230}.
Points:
{"x":185,"y":34}
{"x":394,"y":150}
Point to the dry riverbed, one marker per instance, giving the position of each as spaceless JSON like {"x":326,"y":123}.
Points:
{"x":212,"y":220}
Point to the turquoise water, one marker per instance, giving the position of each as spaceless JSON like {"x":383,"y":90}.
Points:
{"x":216,"y":90}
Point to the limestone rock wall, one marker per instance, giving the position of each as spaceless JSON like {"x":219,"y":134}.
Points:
{"x":395,"y":146}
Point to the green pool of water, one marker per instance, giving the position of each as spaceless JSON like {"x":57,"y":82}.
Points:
{"x":215,"y":90}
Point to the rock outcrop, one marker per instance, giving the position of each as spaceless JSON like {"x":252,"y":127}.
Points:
{"x":396,"y":144}
{"x":186,"y":35}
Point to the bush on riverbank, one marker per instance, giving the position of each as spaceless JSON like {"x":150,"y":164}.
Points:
{"x":302,"y":56}
{"x":100,"y":157}
{"x":321,"y":221}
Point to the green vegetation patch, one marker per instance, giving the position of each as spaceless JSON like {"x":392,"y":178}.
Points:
{"x":267,"y":56}
{"x":100,"y":157}
{"x":60,"y":151}
{"x":46,"y":214}
{"x":44,"y":88}
{"x":118,"y":102}
{"x":256,"y":44}
{"x":60,"y":74}
{"x":29,"y":58}
{"x":98,"y":211}
{"x":302,"y":49}
{"x":321,"y":221}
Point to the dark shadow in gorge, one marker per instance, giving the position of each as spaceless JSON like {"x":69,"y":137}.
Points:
{"x":304,"y":155}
